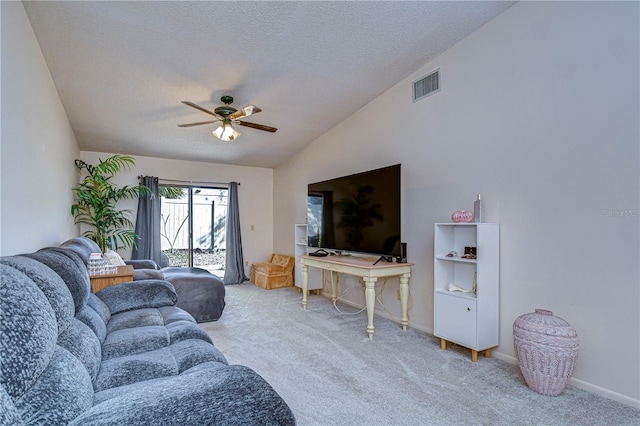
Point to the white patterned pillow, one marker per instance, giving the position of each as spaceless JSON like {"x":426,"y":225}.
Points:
{"x":114,"y":258}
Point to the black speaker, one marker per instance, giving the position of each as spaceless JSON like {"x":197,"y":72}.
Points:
{"x":402,"y":257}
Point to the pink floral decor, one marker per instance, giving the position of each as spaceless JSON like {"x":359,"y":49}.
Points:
{"x":462,"y":216}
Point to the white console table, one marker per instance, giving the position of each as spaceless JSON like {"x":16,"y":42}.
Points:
{"x":365,"y":268}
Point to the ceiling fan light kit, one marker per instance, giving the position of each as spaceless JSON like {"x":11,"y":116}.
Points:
{"x":226,"y":132}
{"x":228,"y":115}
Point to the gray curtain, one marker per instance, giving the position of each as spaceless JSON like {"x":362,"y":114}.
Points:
{"x":148,"y":223}
{"x":234,"y":267}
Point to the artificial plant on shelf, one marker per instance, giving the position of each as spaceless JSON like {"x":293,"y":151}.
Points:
{"x":96,"y":197}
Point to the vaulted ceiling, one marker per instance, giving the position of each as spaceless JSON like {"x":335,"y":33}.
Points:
{"x":122,"y":68}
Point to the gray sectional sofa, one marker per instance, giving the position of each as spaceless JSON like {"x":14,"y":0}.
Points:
{"x":124,"y":356}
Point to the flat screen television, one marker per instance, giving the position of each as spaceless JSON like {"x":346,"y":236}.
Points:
{"x":356,"y":213}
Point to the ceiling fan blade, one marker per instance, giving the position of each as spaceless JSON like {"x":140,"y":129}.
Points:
{"x":198,"y":107}
{"x":245,"y":112}
{"x":198,"y":124}
{"x":257,"y":126}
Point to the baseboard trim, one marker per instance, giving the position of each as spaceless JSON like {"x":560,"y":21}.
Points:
{"x":580,"y":384}
{"x":589,"y":387}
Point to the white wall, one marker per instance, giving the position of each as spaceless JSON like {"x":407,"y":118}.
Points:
{"x":255,"y":195}
{"x":539,"y":113}
{"x":37,"y":147}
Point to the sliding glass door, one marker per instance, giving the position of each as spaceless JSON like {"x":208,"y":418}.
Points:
{"x":192,"y":227}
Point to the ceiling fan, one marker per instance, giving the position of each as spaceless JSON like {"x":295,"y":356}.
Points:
{"x":228,"y":116}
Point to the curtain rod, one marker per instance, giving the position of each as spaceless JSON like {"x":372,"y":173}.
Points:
{"x":191,"y":182}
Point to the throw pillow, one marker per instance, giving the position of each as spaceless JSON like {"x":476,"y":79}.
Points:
{"x":114,"y":258}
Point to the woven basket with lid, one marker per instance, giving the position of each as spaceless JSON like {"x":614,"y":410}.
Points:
{"x":547,"y":348}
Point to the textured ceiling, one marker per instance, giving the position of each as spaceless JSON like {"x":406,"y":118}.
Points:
{"x":122,"y":68}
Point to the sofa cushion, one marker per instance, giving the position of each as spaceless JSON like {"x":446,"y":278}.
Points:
{"x":134,"y":368}
{"x":169,"y":360}
{"x":148,"y":329}
{"x":28,"y":329}
{"x":137,"y":318}
{"x":81,"y":246}
{"x":51,"y":285}
{"x":130,"y":341}
{"x":173,"y":313}
{"x":185,"y":330}
{"x":192,"y":352}
{"x":147,"y":274}
{"x":99,"y":306}
{"x":8,"y":412}
{"x":142,"y":263}
{"x":91,"y":318}
{"x":65,"y":264}
{"x":138,"y":294}
{"x":208,"y":394}
{"x":60,"y":394}
{"x":81,"y":342}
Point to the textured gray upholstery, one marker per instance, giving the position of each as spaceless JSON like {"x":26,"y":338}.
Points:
{"x":142,"y":264}
{"x":82,"y":246}
{"x":199,"y":292}
{"x":147,"y":274}
{"x":71,"y":357}
{"x":139,"y":294}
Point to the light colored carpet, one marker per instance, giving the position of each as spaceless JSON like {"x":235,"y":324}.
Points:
{"x":322,"y":363}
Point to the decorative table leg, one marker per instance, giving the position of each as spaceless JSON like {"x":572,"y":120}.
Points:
{"x":404,"y":297}
{"x":305,"y":285}
{"x":370,"y":298}
{"x":334,"y":286}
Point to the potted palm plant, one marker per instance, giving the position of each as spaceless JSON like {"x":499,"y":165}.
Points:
{"x":96,"y":197}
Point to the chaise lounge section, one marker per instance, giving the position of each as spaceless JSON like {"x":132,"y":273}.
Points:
{"x":126,"y":355}
{"x":200,"y":293}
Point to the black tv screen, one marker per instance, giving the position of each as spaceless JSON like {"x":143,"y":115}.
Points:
{"x":356,"y":213}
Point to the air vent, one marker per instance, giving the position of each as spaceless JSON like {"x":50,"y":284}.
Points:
{"x":426,"y":85}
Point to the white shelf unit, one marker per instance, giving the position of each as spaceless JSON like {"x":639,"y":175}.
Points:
{"x":466,"y":318}
{"x":300,"y":248}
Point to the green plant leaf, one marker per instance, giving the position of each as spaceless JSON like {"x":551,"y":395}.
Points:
{"x":95,"y":200}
